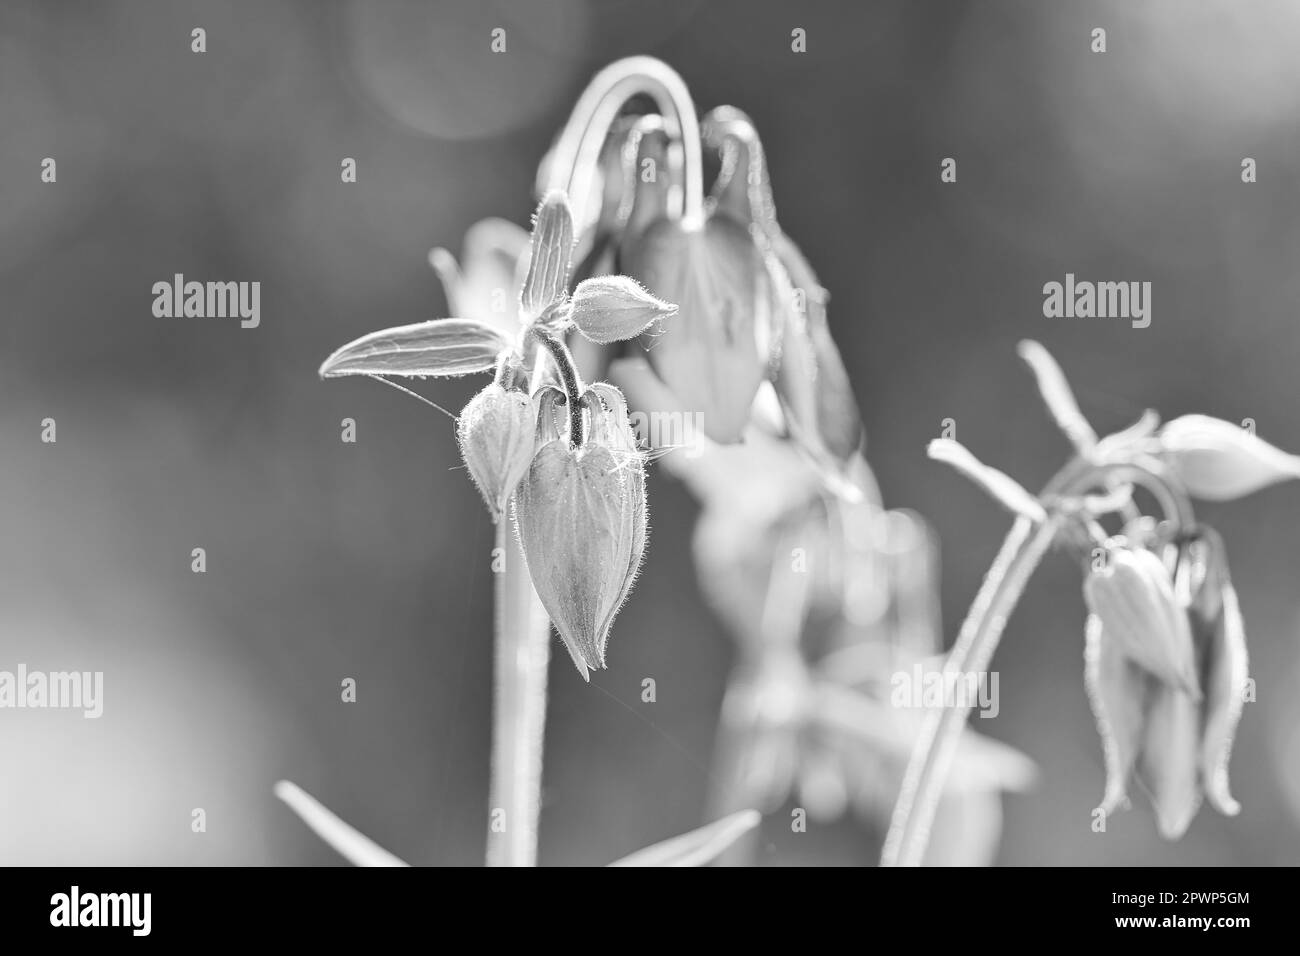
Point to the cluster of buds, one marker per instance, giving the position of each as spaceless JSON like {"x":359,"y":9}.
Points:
{"x":561,"y":452}
{"x":1166,"y":662}
{"x":1166,"y":669}
{"x":751,"y":314}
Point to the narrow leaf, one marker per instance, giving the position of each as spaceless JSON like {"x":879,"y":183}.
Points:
{"x":697,"y":847}
{"x":548,"y":265}
{"x":1057,"y":396}
{"x":441,"y":348}
{"x":1001,"y":487}
{"x":352,"y":845}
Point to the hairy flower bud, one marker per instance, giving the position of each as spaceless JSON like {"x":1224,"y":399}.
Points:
{"x":496,"y":441}
{"x":581,"y":515}
{"x":610,"y":309}
{"x":1220,"y":461}
{"x":1133,"y":596}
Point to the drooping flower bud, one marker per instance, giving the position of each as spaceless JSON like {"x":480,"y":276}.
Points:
{"x":1117,"y":690}
{"x":713,"y":352}
{"x":581,"y":516}
{"x":1133,"y":596}
{"x":1220,"y":461}
{"x":610,"y":309}
{"x":709,"y":353}
{"x":1169,"y":764}
{"x":1221,"y":643}
{"x":496,"y":441}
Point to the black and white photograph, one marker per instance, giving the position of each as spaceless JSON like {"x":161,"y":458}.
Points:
{"x":649,"y":433}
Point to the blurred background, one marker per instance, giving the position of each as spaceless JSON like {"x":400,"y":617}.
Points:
{"x":328,"y":560}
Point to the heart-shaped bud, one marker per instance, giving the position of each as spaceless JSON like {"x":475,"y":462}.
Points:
{"x":581,"y":515}
{"x":1133,"y":596}
{"x":496,"y":440}
{"x":1220,"y":461}
{"x":610,"y":309}
{"x":709,"y":353}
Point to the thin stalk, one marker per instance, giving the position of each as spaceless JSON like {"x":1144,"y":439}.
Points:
{"x":927,"y":771}
{"x":568,"y":369}
{"x":577,"y":151}
{"x":1023,"y":549}
{"x":519,"y":709}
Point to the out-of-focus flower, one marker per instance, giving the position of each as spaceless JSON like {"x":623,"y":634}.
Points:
{"x":1220,"y":461}
{"x":749,"y":307}
{"x":825,"y":600}
{"x":1166,"y":673}
{"x":1133,"y":594}
{"x":484,"y":285}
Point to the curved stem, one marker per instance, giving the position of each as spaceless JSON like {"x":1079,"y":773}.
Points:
{"x":577,"y":152}
{"x":568,"y":370}
{"x":519,"y":709}
{"x":1023,"y":549}
{"x":927,"y":771}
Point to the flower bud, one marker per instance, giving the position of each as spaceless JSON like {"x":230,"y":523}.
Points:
{"x":1221,"y":639}
{"x":1170,"y":764}
{"x":1117,"y":690}
{"x":1220,"y":461}
{"x":496,"y":441}
{"x":709,"y":353}
{"x":611,"y":428}
{"x":581,"y":515}
{"x":808,"y":372}
{"x":610,"y":309}
{"x":1133,"y":596}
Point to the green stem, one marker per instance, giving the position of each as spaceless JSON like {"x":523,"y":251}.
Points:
{"x":519,"y":708}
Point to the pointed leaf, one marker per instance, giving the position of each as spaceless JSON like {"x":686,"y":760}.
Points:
{"x":441,"y":348}
{"x":698,"y":847}
{"x":548,"y":266}
{"x":351,"y":844}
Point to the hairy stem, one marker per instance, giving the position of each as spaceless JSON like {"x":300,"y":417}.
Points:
{"x":568,"y":370}
{"x":519,"y":708}
{"x":927,"y":771}
{"x":577,"y":151}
